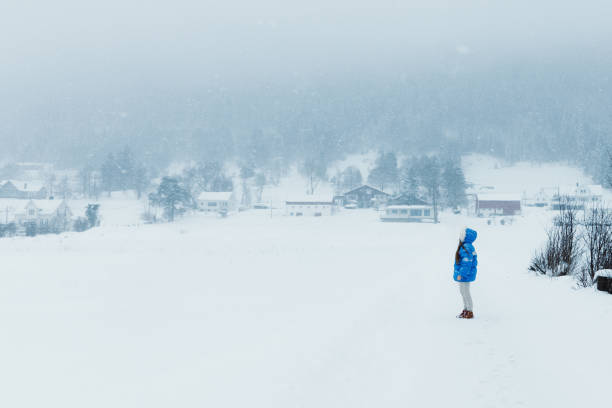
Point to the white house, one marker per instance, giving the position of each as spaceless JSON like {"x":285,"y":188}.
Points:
{"x":407,"y":213}
{"x":577,"y":195}
{"x":216,"y":201}
{"x":312,"y":207}
{"x":43,"y":212}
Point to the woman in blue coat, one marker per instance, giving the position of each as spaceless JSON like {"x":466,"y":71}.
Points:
{"x":466,"y":261}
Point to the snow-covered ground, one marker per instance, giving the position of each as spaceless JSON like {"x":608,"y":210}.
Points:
{"x":276,"y":312}
{"x":261,"y":311}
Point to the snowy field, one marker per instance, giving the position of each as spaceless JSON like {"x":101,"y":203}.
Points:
{"x":260,"y":311}
{"x":276,"y":312}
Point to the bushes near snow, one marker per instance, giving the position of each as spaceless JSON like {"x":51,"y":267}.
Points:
{"x":577,"y":244}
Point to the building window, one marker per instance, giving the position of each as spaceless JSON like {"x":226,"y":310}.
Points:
{"x":394,"y":211}
{"x":426,"y":213}
{"x":415,"y":213}
{"x":212,"y":204}
{"x":299,"y":214}
{"x":404,"y":211}
{"x":31,"y":212}
{"x":317,"y":214}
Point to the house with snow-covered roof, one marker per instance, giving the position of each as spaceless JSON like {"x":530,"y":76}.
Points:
{"x":216,"y":201}
{"x":44,"y":212}
{"x":407,"y":208}
{"x":22,"y":189}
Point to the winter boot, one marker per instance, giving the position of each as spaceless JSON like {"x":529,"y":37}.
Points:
{"x":462,"y":315}
{"x":469,"y":315}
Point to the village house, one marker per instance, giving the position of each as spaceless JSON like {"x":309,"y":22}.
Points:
{"x":577,"y":196}
{"x":22,"y":190}
{"x":366,"y":197}
{"x":407,"y":208}
{"x":407,"y":213}
{"x":498,"y":204}
{"x":216,"y":201}
{"x":310,"y":207}
{"x":44,"y":212}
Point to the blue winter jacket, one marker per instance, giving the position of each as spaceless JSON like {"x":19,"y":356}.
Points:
{"x":465,"y":271}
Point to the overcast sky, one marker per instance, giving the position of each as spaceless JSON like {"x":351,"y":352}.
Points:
{"x":172,"y":41}
{"x":79,"y":77}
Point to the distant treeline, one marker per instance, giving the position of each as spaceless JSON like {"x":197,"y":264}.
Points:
{"x":552,"y":110}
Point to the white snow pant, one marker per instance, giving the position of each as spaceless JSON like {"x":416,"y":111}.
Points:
{"x":464,"y":288}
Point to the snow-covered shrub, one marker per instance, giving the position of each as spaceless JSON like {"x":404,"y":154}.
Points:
{"x":81,"y":224}
{"x":93,"y":219}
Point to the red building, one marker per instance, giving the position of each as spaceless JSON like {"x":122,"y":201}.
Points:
{"x":498,"y":204}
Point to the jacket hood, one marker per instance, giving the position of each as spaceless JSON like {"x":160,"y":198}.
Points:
{"x":468,"y":235}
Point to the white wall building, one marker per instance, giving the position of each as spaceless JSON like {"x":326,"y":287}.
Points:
{"x":216,"y":201}
{"x":43,"y":211}
{"x":578,"y":195}
{"x":408,"y":213}
{"x":310,"y":207}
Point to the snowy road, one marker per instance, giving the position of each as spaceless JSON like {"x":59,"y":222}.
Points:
{"x":252,"y":311}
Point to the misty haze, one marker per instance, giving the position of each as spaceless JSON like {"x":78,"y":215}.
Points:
{"x":305,"y":204}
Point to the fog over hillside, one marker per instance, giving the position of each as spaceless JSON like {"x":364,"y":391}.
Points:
{"x":281,"y":80}
{"x":305,"y":203}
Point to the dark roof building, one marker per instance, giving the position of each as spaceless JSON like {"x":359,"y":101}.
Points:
{"x":366,"y":196}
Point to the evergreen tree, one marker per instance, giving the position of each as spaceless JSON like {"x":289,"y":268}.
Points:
{"x":125,"y":169}
{"x":85,"y":179}
{"x":409,"y":180}
{"x":350,"y":178}
{"x":385,"y":172}
{"x":110,"y":174}
{"x":92,"y":215}
{"x":172,"y":197}
{"x":222,"y":183}
{"x":454,"y":185}
{"x":140,"y":179}
{"x":206,"y":176}
{"x":246,"y":172}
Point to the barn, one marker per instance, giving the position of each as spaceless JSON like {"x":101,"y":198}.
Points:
{"x":498,"y":204}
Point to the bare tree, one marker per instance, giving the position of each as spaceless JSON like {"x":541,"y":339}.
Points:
{"x":597,"y":238}
{"x":561,"y":252}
